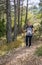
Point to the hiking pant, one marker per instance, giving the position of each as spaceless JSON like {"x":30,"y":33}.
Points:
{"x":28,"y":40}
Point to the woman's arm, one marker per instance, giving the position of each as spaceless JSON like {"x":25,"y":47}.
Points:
{"x":23,"y":31}
{"x":32,"y":29}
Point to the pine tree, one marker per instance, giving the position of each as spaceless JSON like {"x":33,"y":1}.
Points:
{"x":8,"y":23}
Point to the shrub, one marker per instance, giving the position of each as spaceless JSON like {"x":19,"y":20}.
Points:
{"x":2,"y":27}
{"x":40,"y":28}
{"x":39,"y":51}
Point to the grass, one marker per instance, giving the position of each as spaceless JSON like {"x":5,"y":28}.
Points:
{"x":38,"y":52}
{"x":6,"y":47}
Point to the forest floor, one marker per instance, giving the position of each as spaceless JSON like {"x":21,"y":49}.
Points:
{"x":23,"y":56}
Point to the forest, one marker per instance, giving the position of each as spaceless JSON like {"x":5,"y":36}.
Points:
{"x":13,"y":19}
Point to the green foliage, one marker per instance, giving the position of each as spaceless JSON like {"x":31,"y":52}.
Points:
{"x":2,"y":27}
{"x":4,"y":48}
{"x":40,"y":28}
{"x":39,"y":16}
{"x":39,"y":51}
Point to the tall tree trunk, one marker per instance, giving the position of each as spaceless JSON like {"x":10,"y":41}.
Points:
{"x":15,"y":19}
{"x":0,"y":16}
{"x":21,"y":12}
{"x":8,"y":23}
{"x":18,"y":4}
{"x":26,"y":12}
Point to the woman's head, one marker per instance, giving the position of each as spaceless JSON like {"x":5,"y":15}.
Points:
{"x":28,"y":22}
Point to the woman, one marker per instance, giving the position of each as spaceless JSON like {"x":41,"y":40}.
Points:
{"x":29,"y":33}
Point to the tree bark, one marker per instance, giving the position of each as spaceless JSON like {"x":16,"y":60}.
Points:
{"x":18,"y":4}
{"x":26,"y":12}
{"x":8,"y":23}
{"x":0,"y":16}
{"x":21,"y":12}
{"x":15,"y":21}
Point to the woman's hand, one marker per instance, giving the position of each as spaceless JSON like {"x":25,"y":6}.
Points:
{"x":33,"y":31}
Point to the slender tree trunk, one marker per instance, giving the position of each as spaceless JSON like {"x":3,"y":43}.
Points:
{"x":0,"y":17}
{"x":8,"y":23}
{"x":18,"y":2}
{"x":15,"y":21}
{"x":21,"y":12}
{"x":26,"y":12}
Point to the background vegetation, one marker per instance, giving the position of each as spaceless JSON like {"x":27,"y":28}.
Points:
{"x":13,"y":18}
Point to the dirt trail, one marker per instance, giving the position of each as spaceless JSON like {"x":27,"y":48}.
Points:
{"x":22,"y":56}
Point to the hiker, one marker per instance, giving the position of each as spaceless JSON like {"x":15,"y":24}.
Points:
{"x":29,"y":33}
